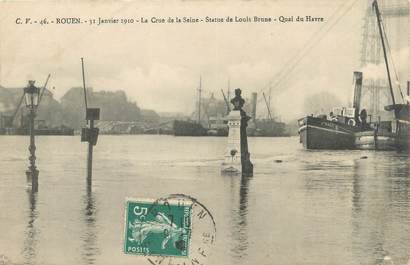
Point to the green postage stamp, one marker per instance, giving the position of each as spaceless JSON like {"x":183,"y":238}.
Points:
{"x":157,"y":227}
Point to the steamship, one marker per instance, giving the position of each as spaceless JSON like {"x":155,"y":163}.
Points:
{"x":345,"y":128}
{"x":334,"y":131}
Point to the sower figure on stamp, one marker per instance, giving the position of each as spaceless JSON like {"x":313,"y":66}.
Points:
{"x":238,"y":103}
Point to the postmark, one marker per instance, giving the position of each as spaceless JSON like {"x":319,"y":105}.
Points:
{"x":176,"y":229}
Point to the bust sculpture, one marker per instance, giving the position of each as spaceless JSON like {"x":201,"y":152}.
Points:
{"x":237,"y":101}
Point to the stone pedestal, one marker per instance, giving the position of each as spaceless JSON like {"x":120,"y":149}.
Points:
{"x":232,"y":158}
{"x":237,"y":157}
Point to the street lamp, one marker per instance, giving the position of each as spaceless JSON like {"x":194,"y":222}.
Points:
{"x":31,"y":96}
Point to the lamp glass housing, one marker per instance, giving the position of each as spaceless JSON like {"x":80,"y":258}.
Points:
{"x":31,"y":95}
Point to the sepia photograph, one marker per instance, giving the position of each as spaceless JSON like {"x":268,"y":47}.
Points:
{"x":205,"y":132}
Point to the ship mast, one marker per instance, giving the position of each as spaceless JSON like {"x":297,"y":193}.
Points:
{"x":376,"y":8}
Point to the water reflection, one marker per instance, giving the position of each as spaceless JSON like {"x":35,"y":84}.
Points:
{"x":380,"y":210}
{"x":399,"y":181}
{"x":32,"y":232}
{"x":376,"y":227}
{"x":239,"y":224}
{"x":89,"y":236}
{"x":330,"y":208}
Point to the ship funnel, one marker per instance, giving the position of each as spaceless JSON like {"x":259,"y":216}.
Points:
{"x":358,"y":80}
{"x":254,"y":98}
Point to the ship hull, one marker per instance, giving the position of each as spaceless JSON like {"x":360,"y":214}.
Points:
{"x":370,"y":140}
{"x":403,"y":135}
{"x":401,"y":125}
{"x":188,"y":128}
{"x":317,"y":133}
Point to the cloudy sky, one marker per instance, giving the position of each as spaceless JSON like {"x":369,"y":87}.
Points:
{"x":159,"y":65}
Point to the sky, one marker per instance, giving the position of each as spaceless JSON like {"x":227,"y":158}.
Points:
{"x":159,"y":65}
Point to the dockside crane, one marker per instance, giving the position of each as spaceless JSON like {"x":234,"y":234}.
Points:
{"x":228,"y":108}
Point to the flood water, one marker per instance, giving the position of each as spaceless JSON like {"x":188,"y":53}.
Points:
{"x":311,"y":207}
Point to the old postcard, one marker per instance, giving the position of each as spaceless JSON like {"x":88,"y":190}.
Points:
{"x":205,"y":132}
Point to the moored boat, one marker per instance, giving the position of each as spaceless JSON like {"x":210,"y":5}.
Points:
{"x":374,"y":140}
{"x":188,"y":128}
{"x":324,"y":132}
{"x":398,"y":134}
{"x":401,"y":124}
{"x":337,"y":129}
{"x":321,"y":133}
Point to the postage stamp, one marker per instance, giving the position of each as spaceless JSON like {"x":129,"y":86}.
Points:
{"x":176,"y":229}
{"x":157,"y":229}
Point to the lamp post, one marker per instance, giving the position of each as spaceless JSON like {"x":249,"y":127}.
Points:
{"x":31,"y":96}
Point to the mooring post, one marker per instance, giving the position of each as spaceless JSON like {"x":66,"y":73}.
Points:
{"x":90,"y":157}
{"x":90,"y":135}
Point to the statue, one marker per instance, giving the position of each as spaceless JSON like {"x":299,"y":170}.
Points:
{"x":237,"y":101}
{"x":237,"y":139}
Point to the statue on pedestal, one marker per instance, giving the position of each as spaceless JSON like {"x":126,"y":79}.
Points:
{"x":235,"y":161}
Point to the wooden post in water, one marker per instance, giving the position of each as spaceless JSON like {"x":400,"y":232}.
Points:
{"x":90,"y":134}
{"x":90,"y":157}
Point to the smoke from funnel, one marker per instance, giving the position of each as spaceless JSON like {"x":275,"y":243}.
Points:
{"x":374,"y":71}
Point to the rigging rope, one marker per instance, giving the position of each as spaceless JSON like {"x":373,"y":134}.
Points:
{"x":309,"y":45}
